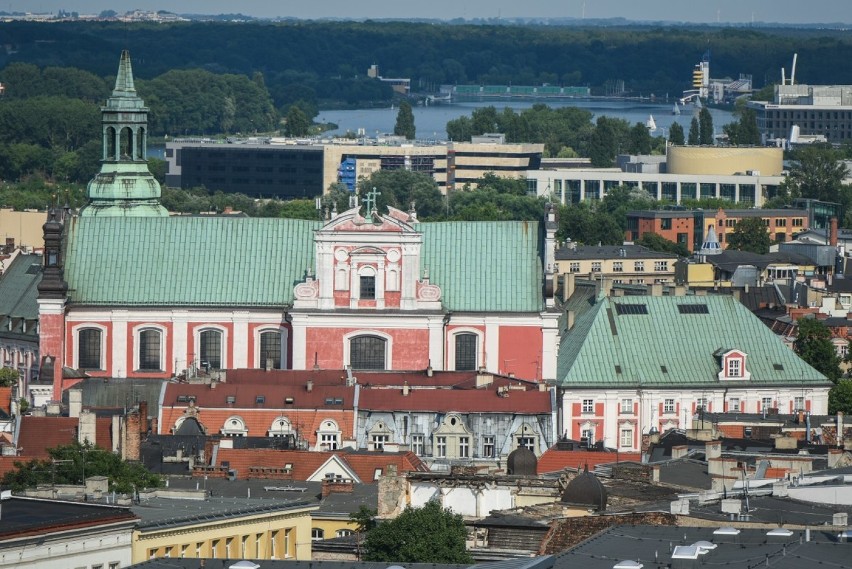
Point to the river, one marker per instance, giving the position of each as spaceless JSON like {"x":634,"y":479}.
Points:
{"x":431,"y":121}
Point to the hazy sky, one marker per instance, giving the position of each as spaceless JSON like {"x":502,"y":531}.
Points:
{"x":703,"y":11}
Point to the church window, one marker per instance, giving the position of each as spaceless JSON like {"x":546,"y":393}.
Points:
{"x":126,"y":143}
{"x":368,"y":287}
{"x":465,"y":352}
{"x":110,"y":144}
{"x":270,"y":349}
{"x":367,"y":352}
{"x":150,"y":346}
{"x":89,"y":344}
{"x":210,"y":349}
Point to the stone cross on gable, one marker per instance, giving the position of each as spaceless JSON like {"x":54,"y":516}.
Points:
{"x":372,"y":199}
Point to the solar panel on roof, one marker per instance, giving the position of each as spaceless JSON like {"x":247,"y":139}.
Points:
{"x":693,"y":309}
{"x":631,"y":308}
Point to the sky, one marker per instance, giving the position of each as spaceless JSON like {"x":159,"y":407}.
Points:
{"x":703,"y":11}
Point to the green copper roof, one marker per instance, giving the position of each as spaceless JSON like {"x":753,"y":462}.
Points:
{"x":18,"y":284}
{"x":187,"y":261}
{"x":673,"y":341}
{"x":492,"y":266}
{"x":191,"y":261}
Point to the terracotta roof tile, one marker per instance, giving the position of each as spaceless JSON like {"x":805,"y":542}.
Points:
{"x":259,"y":395}
{"x":553,"y":460}
{"x":305,"y":463}
{"x":41,"y":433}
{"x":461,"y":400}
{"x":6,"y":400}
{"x":445,"y":379}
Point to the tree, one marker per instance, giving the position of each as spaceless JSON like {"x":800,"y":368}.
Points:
{"x":813,"y":344}
{"x":676,"y":134}
{"x":71,"y":464}
{"x":659,"y":243}
{"x":640,"y":139}
{"x":694,"y":133}
{"x":297,"y":122}
{"x":8,"y":377}
{"x":816,"y":173}
{"x":840,"y":397}
{"x":405,"y":121}
{"x":705,"y":123}
{"x":743,"y":132}
{"x":749,"y":234}
{"x":430,"y":534}
{"x":603,"y":144}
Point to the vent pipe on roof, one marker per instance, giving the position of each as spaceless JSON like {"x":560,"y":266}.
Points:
{"x":310,"y":385}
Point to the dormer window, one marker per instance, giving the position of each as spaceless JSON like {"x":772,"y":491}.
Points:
{"x":733,"y":365}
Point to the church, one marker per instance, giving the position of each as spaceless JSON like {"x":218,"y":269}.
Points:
{"x":129,"y":291}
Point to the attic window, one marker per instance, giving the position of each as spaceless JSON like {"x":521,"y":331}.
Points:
{"x":338,"y":401}
{"x":182,"y":399}
{"x":231,"y":399}
{"x":329,"y":400}
{"x":778,"y":367}
{"x":664,"y":369}
{"x":260,"y":399}
{"x":621,"y":309}
{"x":693,"y":309}
{"x":288,"y":400}
{"x":617,"y":369}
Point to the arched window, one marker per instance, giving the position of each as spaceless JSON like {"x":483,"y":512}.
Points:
{"x":89,"y":343}
{"x":271,"y":349}
{"x":234,"y":427}
{"x":280,"y":427}
{"x":109,"y":147}
{"x":126,"y":143}
{"x":466,"y":350}
{"x":328,"y":436}
{"x":367,"y":352}
{"x":140,"y":144}
{"x":210,"y":349}
{"x":150,"y":350}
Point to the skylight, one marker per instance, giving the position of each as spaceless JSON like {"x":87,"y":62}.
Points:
{"x":621,"y":308}
{"x":693,"y":309}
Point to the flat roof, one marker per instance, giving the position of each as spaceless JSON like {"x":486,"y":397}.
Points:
{"x":33,"y":516}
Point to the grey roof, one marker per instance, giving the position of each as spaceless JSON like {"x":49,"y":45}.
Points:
{"x":121,"y":392}
{"x":729,"y":259}
{"x":686,"y":473}
{"x":653,"y":546}
{"x":577,"y":252}
{"x":163,"y":512}
{"x":192,"y":563}
{"x":18,"y":294}
{"x":35,"y":516}
{"x":772,"y":510}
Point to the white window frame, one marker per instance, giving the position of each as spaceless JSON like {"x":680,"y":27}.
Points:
{"x":75,"y":332}
{"x":669,"y":406}
{"x":734,"y":405}
{"x":766,"y":403}
{"x":639,"y":266}
{"x":734,"y":367}
{"x":625,"y":432}
{"x":277,"y":428}
{"x":587,"y":407}
{"x":418,"y":444}
{"x":285,"y":338}
{"x":196,"y":337}
{"x":137,"y":346}
{"x":464,"y":447}
{"x":574,"y":267}
{"x":451,"y":345}
{"x":317,"y":534}
{"x":618,"y":267}
{"x":596,"y":266}
{"x":238,"y":430}
{"x":440,"y":446}
{"x":799,"y":403}
{"x":379,"y":441}
{"x":626,"y":406}
{"x":489,"y":447}
{"x":369,"y":332}
{"x":329,"y":432}
{"x":661,"y":266}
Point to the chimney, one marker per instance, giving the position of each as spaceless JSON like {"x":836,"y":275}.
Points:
{"x":483,"y":379}
{"x":571,"y":316}
{"x":86,"y":429}
{"x":840,"y":428}
{"x":834,"y":456}
{"x":309,"y":385}
{"x":680,"y":290}
{"x":429,"y":370}
{"x":143,"y":416}
{"x":567,"y":286}
{"x":341,"y":485}
{"x":657,"y":289}
{"x":405,"y":389}
{"x":712,"y":449}
{"x":832,"y":236}
{"x":679,"y":451}
{"x":75,"y":402}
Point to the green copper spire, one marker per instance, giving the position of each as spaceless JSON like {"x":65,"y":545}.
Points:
{"x":124,"y":187}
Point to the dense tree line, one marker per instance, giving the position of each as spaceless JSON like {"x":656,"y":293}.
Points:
{"x":328,"y":60}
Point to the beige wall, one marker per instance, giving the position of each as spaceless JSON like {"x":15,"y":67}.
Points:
{"x":724,"y":161}
{"x":265,"y":535}
{"x":630,"y":272}
{"x":23,"y":226}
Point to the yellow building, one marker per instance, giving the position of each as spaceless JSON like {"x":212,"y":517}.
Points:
{"x":620,"y":264}
{"x":24,"y":227}
{"x":223,"y":528}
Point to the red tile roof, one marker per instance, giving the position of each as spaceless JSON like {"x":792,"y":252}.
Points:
{"x":445,"y":379}
{"x":461,"y":400}
{"x":305,"y":463}
{"x":245,"y":395}
{"x":41,"y":433}
{"x":554,"y":460}
{"x":6,"y":400}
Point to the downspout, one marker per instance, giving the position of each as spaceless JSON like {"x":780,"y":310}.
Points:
{"x":447,"y":317}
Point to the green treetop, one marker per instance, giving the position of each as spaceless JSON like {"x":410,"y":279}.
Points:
{"x":813,"y":344}
{"x":749,"y":234}
{"x":405,"y":121}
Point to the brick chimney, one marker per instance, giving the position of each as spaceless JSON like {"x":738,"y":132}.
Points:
{"x":341,"y":485}
{"x":832,"y":235}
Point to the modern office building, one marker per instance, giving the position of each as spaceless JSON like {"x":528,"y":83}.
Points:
{"x":817,"y":110}
{"x":289,"y":170}
{"x":746,"y":175}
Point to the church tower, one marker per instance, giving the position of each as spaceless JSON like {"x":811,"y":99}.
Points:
{"x":124,"y":187}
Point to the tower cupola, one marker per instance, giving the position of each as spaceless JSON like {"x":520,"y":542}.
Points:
{"x":124,"y":187}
